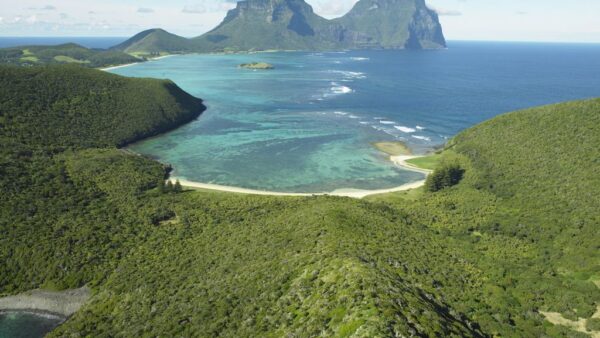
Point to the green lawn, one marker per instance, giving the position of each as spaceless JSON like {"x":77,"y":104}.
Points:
{"x":29,"y":59}
{"x":427,"y":162}
{"x":63,"y":58}
{"x":399,"y":196}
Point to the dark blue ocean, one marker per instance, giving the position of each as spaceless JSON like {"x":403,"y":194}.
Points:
{"x":308,"y":125}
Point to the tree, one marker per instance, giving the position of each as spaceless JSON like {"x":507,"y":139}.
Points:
{"x":169,"y":187}
{"x":177,"y":187}
{"x":444,"y":177}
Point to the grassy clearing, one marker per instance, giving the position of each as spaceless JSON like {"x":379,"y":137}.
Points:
{"x":396,"y":148}
{"x":68,"y":59}
{"x":427,"y":162}
{"x":27,"y":52}
{"x":400,"y":196}
{"x":147,"y":55}
{"x":29,"y":59}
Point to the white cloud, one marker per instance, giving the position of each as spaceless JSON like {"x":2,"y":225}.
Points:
{"x":209,"y":6}
{"x":1,"y":20}
{"x":44,"y":8}
{"x":333,"y":8}
{"x":31,"y":20}
{"x":194,"y":9}
{"x":446,"y":12}
{"x":145,"y":10}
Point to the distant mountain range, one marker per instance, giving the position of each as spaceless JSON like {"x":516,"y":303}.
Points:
{"x":258,"y":25}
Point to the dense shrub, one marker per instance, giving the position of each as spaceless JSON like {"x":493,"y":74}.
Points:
{"x":443,"y":177}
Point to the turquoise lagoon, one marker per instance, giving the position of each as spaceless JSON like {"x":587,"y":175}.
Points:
{"x":27,"y":324}
{"x":308,"y":125}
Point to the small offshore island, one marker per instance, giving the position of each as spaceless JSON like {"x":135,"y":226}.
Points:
{"x":257,"y":65}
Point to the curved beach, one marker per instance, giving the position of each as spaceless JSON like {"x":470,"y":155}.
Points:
{"x":399,"y":161}
{"x":62,"y":303}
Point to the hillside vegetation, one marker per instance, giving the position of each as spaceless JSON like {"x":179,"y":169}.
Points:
{"x":64,"y":184}
{"x":516,"y":236}
{"x":69,"y":53}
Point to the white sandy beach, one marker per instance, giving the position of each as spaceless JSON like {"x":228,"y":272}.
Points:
{"x":135,"y":63}
{"x":63,"y":303}
{"x":353,"y":193}
{"x":401,"y":162}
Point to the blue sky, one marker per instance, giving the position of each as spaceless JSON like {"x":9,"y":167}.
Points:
{"x":508,"y":20}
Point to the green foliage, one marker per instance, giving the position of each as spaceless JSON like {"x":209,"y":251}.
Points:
{"x":593,"y":324}
{"x":427,"y":162}
{"x":154,"y":42}
{"x":66,"y":53}
{"x":525,"y":214}
{"x":444,"y":177}
{"x":70,"y":106}
{"x":518,"y":234}
{"x":247,"y":266}
{"x":80,"y":207}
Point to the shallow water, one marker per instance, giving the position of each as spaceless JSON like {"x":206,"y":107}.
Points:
{"x":26,"y":325}
{"x":307,"y":125}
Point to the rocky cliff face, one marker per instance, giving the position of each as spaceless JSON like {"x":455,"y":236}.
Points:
{"x":271,"y":24}
{"x":395,"y":24}
{"x":293,"y":25}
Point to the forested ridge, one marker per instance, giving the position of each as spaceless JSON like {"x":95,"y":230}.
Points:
{"x":484,"y":256}
{"x":68,"y":53}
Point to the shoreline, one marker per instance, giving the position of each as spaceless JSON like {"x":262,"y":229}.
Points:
{"x":56,"y":303}
{"x":399,"y":161}
{"x":106,"y":69}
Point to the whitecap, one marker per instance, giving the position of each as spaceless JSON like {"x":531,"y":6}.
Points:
{"x":420,"y":128}
{"x":338,"y":89}
{"x":423,"y":138}
{"x":340,"y":113}
{"x":364,"y":122}
{"x":353,"y":117}
{"x":387,"y":122}
{"x":405,"y":129}
{"x":349,"y":74}
{"x":359,"y":59}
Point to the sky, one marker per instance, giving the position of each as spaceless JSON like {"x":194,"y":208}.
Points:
{"x":493,"y":20}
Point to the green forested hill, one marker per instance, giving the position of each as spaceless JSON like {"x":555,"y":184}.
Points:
{"x":70,"y":106}
{"x":69,"y":53}
{"x":60,"y":206}
{"x":517,"y":236}
{"x":154,"y":42}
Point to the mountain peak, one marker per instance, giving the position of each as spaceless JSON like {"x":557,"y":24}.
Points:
{"x":292,"y":25}
{"x":393,"y":24}
{"x":152,"y":41}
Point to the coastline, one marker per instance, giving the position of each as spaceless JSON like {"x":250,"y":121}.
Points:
{"x":399,"y":161}
{"x":106,"y":69}
{"x":56,"y":303}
